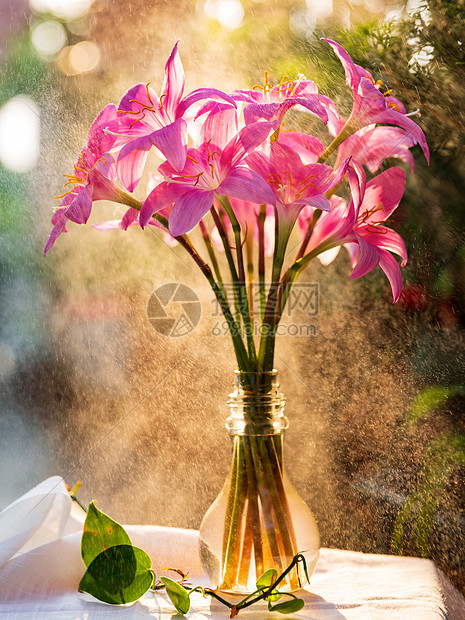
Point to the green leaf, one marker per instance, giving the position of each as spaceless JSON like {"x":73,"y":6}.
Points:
{"x":179,"y":596}
{"x":100,"y":533}
{"x":265,"y":581}
{"x":118,"y":575}
{"x":288,"y":607}
{"x":268,"y":577}
{"x":430,"y":399}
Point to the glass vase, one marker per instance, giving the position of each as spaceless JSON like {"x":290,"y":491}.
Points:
{"x":258,"y":521}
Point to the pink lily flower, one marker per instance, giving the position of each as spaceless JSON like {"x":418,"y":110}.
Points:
{"x":131,"y":218}
{"x":371,"y":145}
{"x":294,"y":184}
{"x":362,"y":231}
{"x":146,"y":120}
{"x":93,"y":178}
{"x":210,"y":171}
{"x":307,"y":147}
{"x":272,"y":102}
{"x":371,"y":105}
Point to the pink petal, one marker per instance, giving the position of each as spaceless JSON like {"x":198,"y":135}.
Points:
{"x":371,"y":145}
{"x":159,"y":198}
{"x":389,"y":240}
{"x":172,"y":142}
{"x":392,"y":270}
{"x":173,"y":84}
{"x":269,"y":232}
{"x":385,"y":189}
{"x":246,"y":141}
{"x":310,"y":103}
{"x":188,"y":210}
{"x":368,"y":258}
{"x":108,"y":225}
{"x":260,"y":111}
{"x":319,"y":201}
{"x":357,"y":182}
{"x":353,"y":250}
{"x":259,"y":163}
{"x":98,"y":140}
{"x":250,"y":96}
{"x":60,"y":227}
{"x":198,"y":95}
{"x":131,"y":162}
{"x":374,"y":109}
{"x":308,"y":147}
{"x":247,"y":185}
{"x":327,"y":257}
{"x":352,"y":75}
{"x":79,"y":210}
{"x":220,"y":125}
{"x":135,"y":99}
{"x":335,"y":120}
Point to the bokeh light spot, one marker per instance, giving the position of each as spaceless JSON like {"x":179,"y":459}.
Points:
{"x":48,"y":37}
{"x":19,"y":134}
{"x":79,"y":58}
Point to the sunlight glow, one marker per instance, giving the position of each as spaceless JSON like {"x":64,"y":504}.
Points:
{"x":48,"y":37}
{"x":230,"y":13}
{"x":68,"y":9}
{"x":19,"y":134}
{"x":79,"y":58}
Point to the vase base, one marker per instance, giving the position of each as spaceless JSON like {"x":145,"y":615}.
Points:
{"x":211,"y":564}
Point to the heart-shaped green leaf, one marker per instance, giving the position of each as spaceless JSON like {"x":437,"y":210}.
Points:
{"x":179,"y":596}
{"x":118,"y":575}
{"x":268,"y":577}
{"x":100,"y":533}
{"x":288,"y":607}
{"x":265,"y":581}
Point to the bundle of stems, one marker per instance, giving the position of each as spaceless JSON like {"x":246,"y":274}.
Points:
{"x":258,"y":522}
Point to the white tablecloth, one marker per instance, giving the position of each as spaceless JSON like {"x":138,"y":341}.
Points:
{"x":41,"y":532}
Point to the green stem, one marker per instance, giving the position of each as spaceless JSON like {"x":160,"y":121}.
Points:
{"x":233,"y":532}
{"x":268,"y":336}
{"x":345,"y":132}
{"x":211,"y":253}
{"x":234,"y":329}
{"x":296,"y":559}
{"x":232,"y":267}
{"x":261,"y":259}
{"x":242,"y":290}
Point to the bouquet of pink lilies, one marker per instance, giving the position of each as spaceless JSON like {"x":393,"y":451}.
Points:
{"x":255,"y":180}
{"x":245,"y":181}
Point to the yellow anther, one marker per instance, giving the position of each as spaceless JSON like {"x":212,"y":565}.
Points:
{"x":161,"y":100}
{"x":136,"y":120}
{"x":391,"y":104}
{"x":148,"y":93}
{"x":65,"y":194}
{"x":267,"y":86}
{"x":288,"y":174}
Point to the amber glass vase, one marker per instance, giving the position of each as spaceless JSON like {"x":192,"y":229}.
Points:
{"x":258,"y":521}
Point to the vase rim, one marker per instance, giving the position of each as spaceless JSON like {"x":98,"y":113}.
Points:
{"x":268,"y":373}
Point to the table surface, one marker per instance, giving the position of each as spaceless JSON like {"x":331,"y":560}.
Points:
{"x":41,"y":579}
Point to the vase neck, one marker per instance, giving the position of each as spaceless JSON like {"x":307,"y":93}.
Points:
{"x":257,"y":405}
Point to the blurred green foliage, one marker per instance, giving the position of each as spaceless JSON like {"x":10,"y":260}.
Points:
{"x":445,"y":453}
